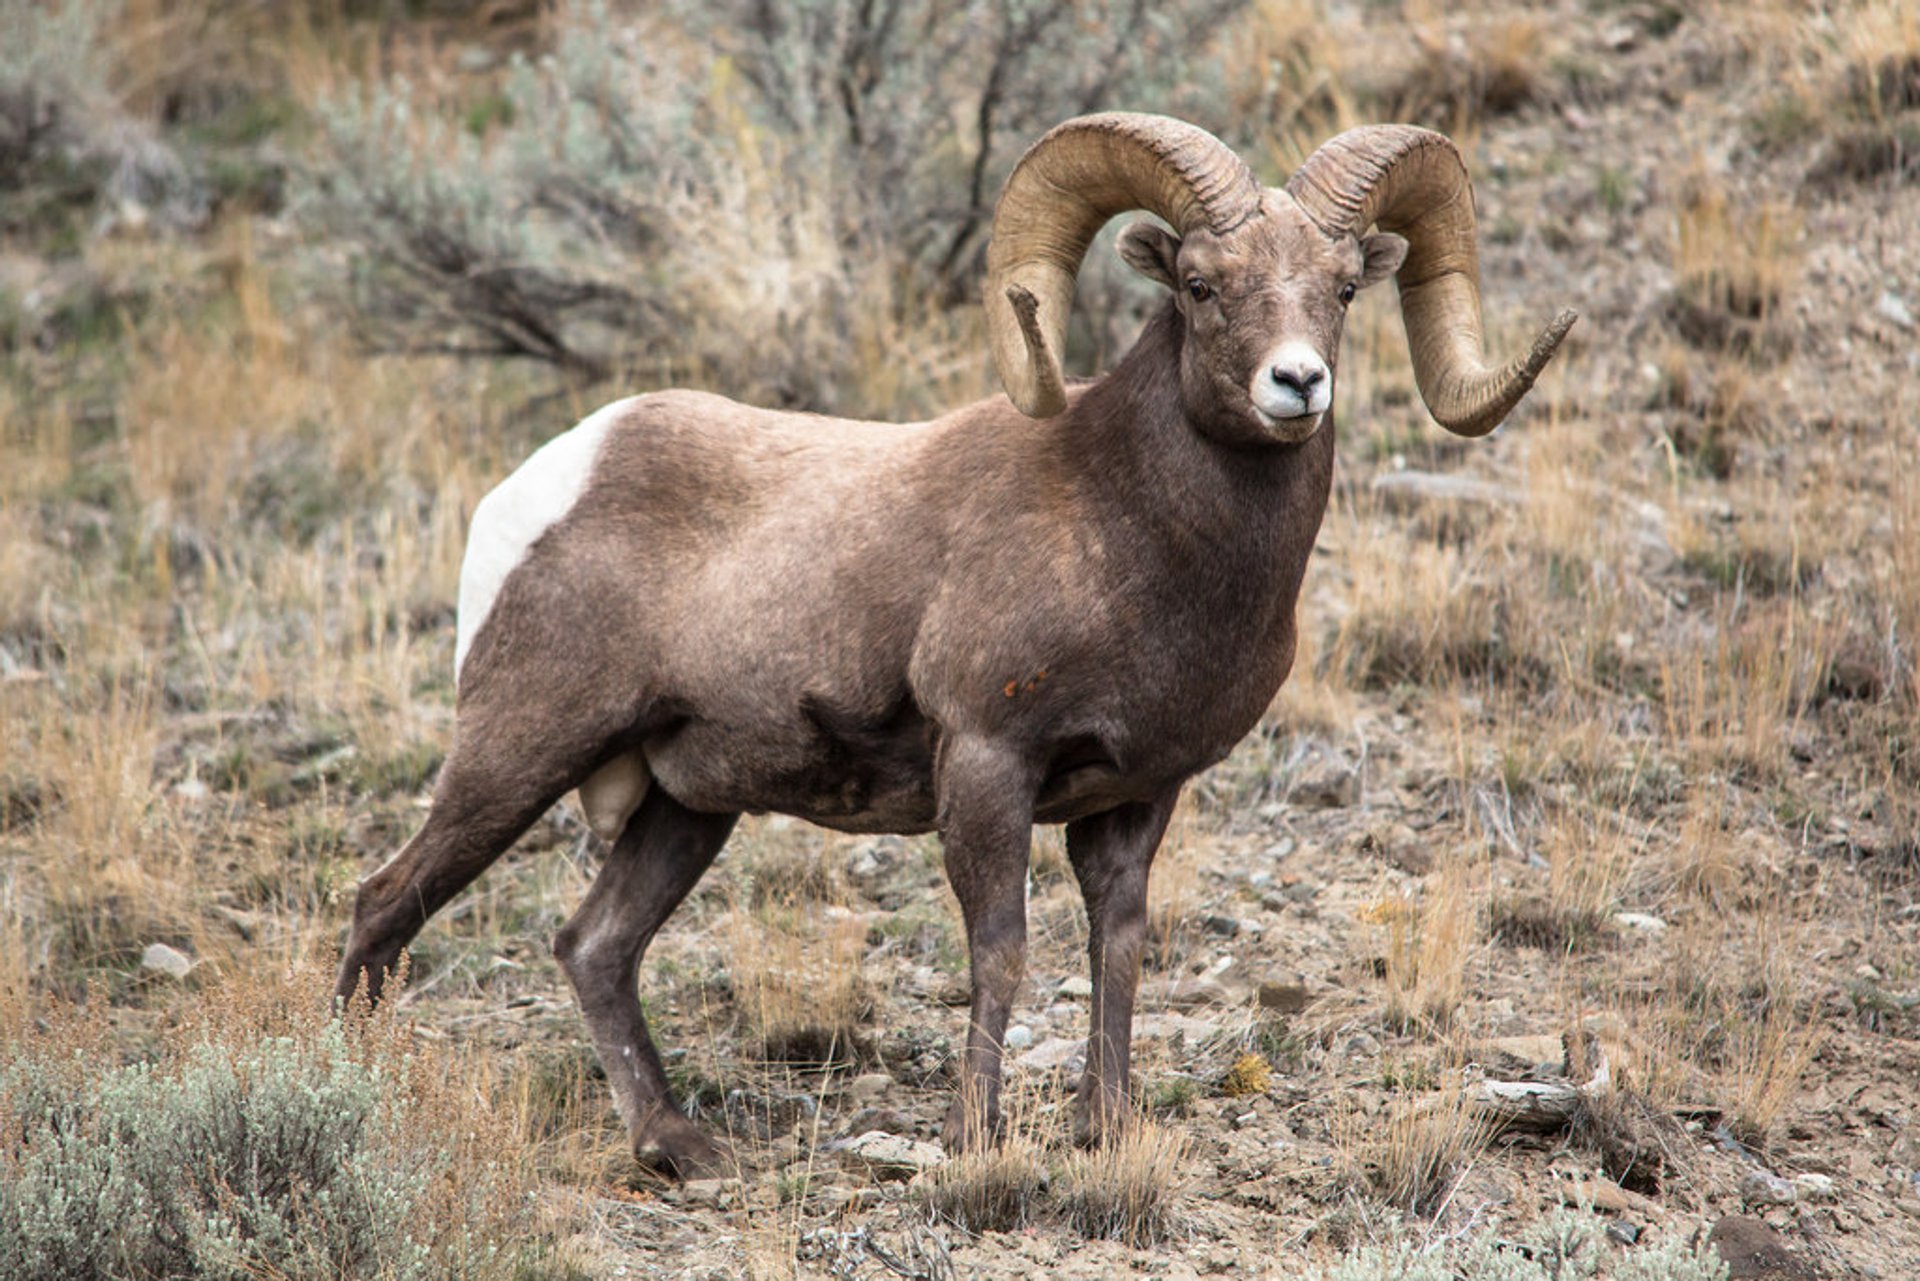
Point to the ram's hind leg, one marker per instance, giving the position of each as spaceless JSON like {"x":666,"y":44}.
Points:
{"x":660,"y":855}
{"x":500,"y":776}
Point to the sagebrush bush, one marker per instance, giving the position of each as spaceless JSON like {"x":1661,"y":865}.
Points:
{"x":314,"y":1153}
{"x":67,"y":141}
{"x":1566,"y":1245}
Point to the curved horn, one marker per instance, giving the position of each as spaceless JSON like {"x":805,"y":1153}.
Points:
{"x":1058,"y":197}
{"x":1413,"y":182}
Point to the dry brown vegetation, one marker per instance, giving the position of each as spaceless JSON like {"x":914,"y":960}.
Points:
{"x":1603,"y":742}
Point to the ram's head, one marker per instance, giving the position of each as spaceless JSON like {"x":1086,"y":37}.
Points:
{"x":1262,"y":276}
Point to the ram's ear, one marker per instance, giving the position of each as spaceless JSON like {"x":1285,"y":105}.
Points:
{"x":1382,"y":253}
{"x":1151,"y":250}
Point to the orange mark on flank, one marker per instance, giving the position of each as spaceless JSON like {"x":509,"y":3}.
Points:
{"x":1032,"y":683}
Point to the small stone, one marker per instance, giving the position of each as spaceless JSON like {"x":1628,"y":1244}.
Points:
{"x":166,"y":960}
{"x":1622,"y":1233}
{"x":1815,"y":1187}
{"x":869,"y":1088}
{"x":716,"y":1194}
{"x":1284,"y":998}
{"x":1220,"y":926}
{"x":1330,"y":785}
{"x":1640,"y":922}
{"x":890,"y":1157}
{"x":1054,"y":1052}
{"x":1281,"y":848}
{"x":1894,"y":308}
{"x":1019,"y":1036}
{"x":1760,"y":1188}
{"x":1299,"y":891}
{"x":1079,"y":987}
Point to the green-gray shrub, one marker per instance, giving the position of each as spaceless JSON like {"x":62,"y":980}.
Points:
{"x":66,"y":141}
{"x":289,"y":1158}
{"x":1566,"y":1245}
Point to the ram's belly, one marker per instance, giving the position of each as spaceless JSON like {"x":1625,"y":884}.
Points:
{"x":874,"y":777}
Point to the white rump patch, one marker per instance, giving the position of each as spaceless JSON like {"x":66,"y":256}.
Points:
{"x":513,"y":515}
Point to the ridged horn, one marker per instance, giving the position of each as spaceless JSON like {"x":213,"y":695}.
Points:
{"x":1079,"y":175}
{"x":1412,"y":181}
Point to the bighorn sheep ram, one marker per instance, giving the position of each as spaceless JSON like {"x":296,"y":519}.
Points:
{"x":1056,"y":608}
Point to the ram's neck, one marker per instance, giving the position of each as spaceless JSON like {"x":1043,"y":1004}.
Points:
{"x":1233,"y":511}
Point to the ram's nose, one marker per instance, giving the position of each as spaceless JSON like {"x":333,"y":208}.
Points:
{"x":1292,"y":382}
{"x":1300,"y":379}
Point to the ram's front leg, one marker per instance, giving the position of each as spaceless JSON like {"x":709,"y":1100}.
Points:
{"x":1112,"y":854}
{"x":986,"y":831}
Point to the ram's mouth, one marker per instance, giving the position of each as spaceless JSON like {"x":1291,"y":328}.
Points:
{"x":1289,"y":429}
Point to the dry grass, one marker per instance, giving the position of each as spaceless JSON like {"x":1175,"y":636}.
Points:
{"x":1002,"y":1188}
{"x":795,"y":971}
{"x":1429,"y":944}
{"x":1736,"y":264}
{"x":1174,"y":889}
{"x":1129,"y":1189}
{"x":1411,"y":1156}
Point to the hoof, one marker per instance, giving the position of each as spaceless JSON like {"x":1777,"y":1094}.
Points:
{"x":679,"y":1149}
{"x":1091,"y":1130}
{"x":966,"y":1130}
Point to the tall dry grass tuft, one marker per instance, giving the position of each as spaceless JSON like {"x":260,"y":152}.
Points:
{"x":1130,"y":1188}
{"x":1429,"y":944}
{"x":1001,"y":1187}
{"x":1411,"y":1156}
{"x":1735,"y":263}
{"x":110,"y":874}
{"x":795,"y":969}
{"x":1173,"y":890}
{"x":1905,"y":578}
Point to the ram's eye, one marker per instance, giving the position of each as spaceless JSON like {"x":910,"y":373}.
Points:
{"x":1198,"y":289}
{"x":1346,"y":292}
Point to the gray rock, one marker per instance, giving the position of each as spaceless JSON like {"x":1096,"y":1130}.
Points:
{"x":1054,"y":1052}
{"x":715,"y":1194}
{"x":1327,"y":785}
{"x":1079,"y":987}
{"x":1815,"y":1187}
{"x":1894,"y":308}
{"x":869,"y":1088}
{"x":889,"y":1157}
{"x":1761,"y":1188}
{"x":166,"y":960}
{"x":1019,"y":1036}
{"x":1224,"y":927}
